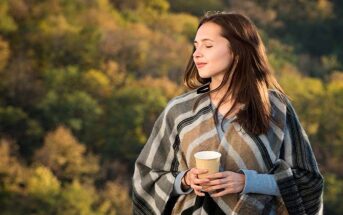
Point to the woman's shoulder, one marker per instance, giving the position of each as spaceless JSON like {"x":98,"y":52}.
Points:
{"x":183,"y":103}
{"x":279,"y":103}
{"x":182,"y":99}
{"x":275,"y":96}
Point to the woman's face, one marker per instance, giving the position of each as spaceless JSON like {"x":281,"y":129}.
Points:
{"x":212,"y":56}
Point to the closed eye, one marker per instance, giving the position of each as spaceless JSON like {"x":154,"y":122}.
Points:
{"x":205,"y":47}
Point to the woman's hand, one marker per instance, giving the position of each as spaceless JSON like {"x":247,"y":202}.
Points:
{"x":223,"y":183}
{"x":191,"y":179}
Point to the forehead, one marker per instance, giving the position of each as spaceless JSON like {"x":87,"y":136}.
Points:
{"x":208,"y":30}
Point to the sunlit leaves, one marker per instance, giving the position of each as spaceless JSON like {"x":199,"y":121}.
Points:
{"x":4,"y":53}
{"x":65,"y":156}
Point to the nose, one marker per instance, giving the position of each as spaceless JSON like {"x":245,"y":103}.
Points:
{"x":197,"y":53}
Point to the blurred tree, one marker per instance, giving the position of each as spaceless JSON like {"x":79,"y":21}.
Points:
{"x":129,"y":55}
{"x":115,"y":200}
{"x":66,"y":157}
{"x":77,"y":199}
{"x":141,"y":51}
{"x":12,"y":173}
{"x":330,"y":132}
{"x":4,"y":53}
{"x":97,"y":83}
{"x":7,"y":23}
{"x":43,"y":185}
{"x":196,"y":8}
{"x":333,"y":192}
{"x":279,"y":55}
{"x":307,"y":94}
{"x":14,"y":122}
{"x":65,"y":103}
{"x":128,"y":111}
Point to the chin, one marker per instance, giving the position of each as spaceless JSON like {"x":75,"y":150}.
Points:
{"x":202,"y":75}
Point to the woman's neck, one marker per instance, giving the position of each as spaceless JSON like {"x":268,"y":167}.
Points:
{"x":227,"y":103}
{"x":218,"y":95}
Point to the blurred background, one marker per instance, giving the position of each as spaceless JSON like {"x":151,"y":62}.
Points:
{"x":82,"y":82}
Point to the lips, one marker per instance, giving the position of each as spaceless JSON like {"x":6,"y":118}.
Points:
{"x":200,"y":65}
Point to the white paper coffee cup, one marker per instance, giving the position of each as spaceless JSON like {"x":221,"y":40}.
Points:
{"x":209,"y":160}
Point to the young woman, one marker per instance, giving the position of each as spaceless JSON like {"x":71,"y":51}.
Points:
{"x":235,"y":107}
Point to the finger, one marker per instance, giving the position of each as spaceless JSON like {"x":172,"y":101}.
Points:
{"x":217,"y":187}
{"x":218,"y":181}
{"x":221,"y":193}
{"x":198,"y":171}
{"x":199,"y":193}
{"x":218,"y":175}
{"x":196,"y":187}
{"x":197,"y":190}
{"x":201,"y":181}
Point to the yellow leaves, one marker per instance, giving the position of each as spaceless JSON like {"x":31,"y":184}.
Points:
{"x":103,"y":20}
{"x":113,"y":72}
{"x":43,"y":183}
{"x":57,"y":25}
{"x":97,"y":77}
{"x":65,"y":156}
{"x":169,"y":88}
{"x":296,"y":84}
{"x":306,"y":94}
{"x":4,"y":53}
{"x":153,"y":8}
{"x":103,"y":4}
{"x":78,"y":198}
{"x":12,"y":172}
{"x":117,"y":200}
{"x":97,"y":83}
{"x":7,"y":23}
{"x":325,"y":7}
{"x":336,"y":82}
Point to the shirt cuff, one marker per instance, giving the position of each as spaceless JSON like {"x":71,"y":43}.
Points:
{"x":177,"y":190}
{"x":259,"y":183}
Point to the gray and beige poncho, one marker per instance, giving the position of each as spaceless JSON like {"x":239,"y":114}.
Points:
{"x":179,"y":132}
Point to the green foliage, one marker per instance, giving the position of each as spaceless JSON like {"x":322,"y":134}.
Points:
{"x":330,"y":132}
{"x":333,"y":192}
{"x":197,"y":8}
{"x":310,"y":27}
{"x":307,"y":94}
{"x":130,"y":109}
{"x":13,"y":121}
{"x":66,"y":102}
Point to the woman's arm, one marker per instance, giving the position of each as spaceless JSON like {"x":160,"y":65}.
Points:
{"x":259,"y":183}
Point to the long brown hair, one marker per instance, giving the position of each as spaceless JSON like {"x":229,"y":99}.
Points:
{"x":251,"y":78}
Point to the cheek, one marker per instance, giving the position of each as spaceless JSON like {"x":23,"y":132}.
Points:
{"x":222,"y":58}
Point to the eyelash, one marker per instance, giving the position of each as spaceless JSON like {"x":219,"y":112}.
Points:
{"x":205,"y":46}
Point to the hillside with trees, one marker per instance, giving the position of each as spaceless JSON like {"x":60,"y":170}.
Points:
{"x":82,"y":83}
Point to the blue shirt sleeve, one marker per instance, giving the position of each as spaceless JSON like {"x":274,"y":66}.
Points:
{"x":259,"y":183}
{"x":177,"y":190}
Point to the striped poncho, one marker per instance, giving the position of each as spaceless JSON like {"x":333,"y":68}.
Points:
{"x":179,"y":132}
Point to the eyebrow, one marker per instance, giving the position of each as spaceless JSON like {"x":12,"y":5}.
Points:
{"x":204,"y":40}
